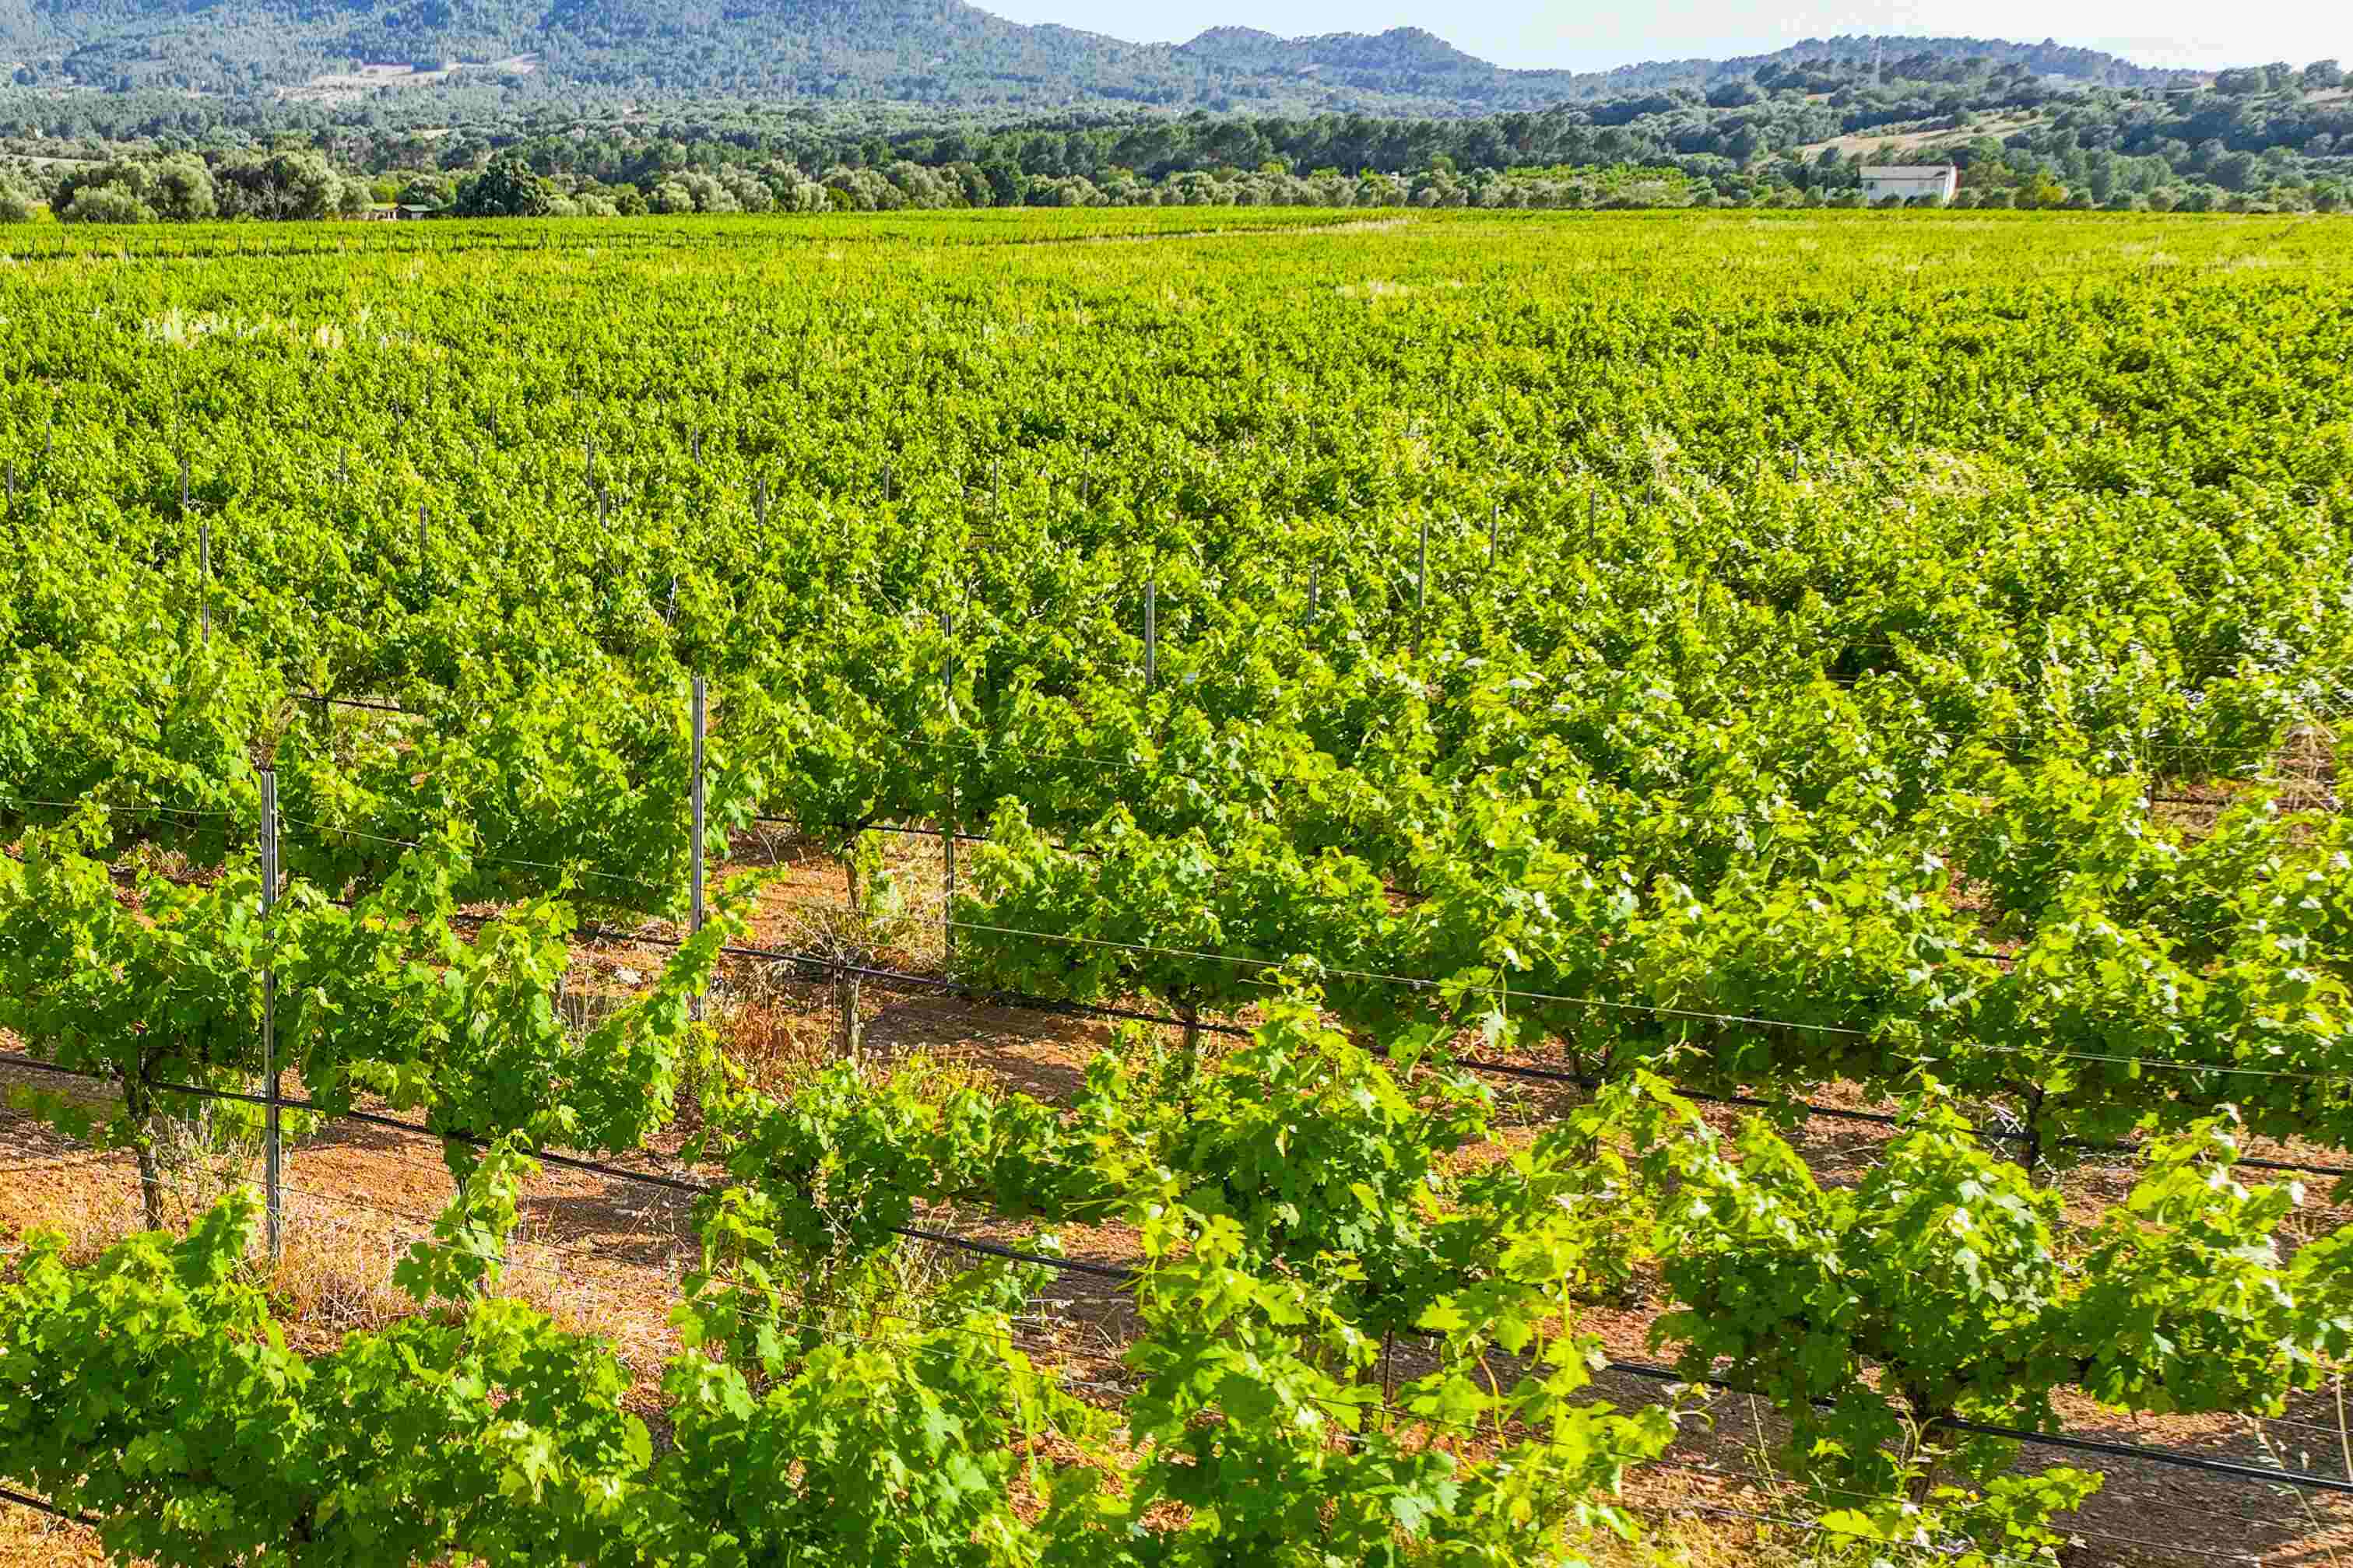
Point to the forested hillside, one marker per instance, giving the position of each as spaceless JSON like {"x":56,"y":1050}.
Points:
{"x":933,"y":53}
{"x":1786,"y":132}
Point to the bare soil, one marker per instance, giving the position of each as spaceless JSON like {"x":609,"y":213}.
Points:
{"x":606,"y":1255}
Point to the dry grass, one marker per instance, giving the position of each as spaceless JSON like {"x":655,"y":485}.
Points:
{"x":605,"y":1256}
{"x":29,"y":1539}
{"x":1864,"y":143}
{"x":2307,"y":770}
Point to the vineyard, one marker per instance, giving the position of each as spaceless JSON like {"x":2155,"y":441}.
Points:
{"x":1104,"y":890}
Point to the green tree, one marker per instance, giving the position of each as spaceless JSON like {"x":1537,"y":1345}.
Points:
{"x":182,"y":189}
{"x":106,"y":204}
{"x":291,"y":184}
{"x":131,"y":178}
{"x":423,"y":191}
{"x":2234,"y":172}
{"x":1007,"y":185}
{"x":507,"y":188}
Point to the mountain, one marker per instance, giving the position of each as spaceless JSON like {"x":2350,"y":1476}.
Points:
{"x":933,"y":54}
{"x":1899,"y":56}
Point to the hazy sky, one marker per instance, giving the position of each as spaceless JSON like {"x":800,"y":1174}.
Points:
{"x":1587,"y":37}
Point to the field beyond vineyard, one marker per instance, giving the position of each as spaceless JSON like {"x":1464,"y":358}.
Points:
{"x":1470,"y":889}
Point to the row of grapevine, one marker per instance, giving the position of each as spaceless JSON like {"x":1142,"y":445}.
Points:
{"x":1742,"y":677}
{"x":1300,"y":1204}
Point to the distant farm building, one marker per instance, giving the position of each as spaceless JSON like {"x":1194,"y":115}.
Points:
{"x":1930,"y":181}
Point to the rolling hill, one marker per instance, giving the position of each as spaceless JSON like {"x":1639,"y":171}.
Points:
{"x":935,"y":54}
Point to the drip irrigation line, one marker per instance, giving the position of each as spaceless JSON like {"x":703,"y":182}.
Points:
{"x":357,"y":703}
{"x":1123,"y":1275}
{"x":481,"y":859}
{"x":2172,"y":1063}
{"x":1016,"y":999}
{"x":1411,"y":982}
{"x":1020,"y":1000}
{"x":995,"y":998}
{"x":573,"y":1163}
{"x":998,"y":1249}
{"x":826,"y":966}
{"x":799,"y":826}
{"x":1422,"y":983}
{"x":981,"y":747}
{"x":1106,"y":764}
{"x":1873,"y":1118}
{"x":1765,"y":1483}
{"x":117,"y":810}
{"x":2236,"y":1468}
{"x":1720,"y":1510}
{"x":1232,"y":1031}
{"x":39,"y":1505}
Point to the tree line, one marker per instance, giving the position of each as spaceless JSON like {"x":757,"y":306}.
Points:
{"x":2266,"y":138}
{"x":184,"y":187}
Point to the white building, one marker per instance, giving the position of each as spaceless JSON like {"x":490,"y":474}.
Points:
{"x":1937,"y":182}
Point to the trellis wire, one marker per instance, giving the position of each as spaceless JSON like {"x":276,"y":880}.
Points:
{"x":1070,"y":1009}
{"x":1123,"y":1275}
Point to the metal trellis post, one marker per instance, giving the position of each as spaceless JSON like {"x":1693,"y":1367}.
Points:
{"x":1152,"y":630}
{"x":694,"y":846}
{"x":273,"y":1159}
{"x":948,"y":823}
{"x":204,"y":561}
{"x":1422,"y":584}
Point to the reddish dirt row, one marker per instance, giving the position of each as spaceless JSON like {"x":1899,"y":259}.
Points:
{"x":606,"y":1255}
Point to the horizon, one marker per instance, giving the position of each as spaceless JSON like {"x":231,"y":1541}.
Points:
{"x":1533,"y":41}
